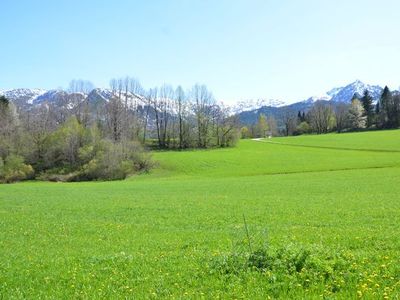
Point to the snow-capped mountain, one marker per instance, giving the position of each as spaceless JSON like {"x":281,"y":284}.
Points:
{"x":22,"y":97}
{"x":333,"y":92}
{"x":22,"y":93}
{"x":49,"y":96}
{"x":345,"y":94}
{"x":312,"y":99}
{"x":100,"y":94}
{"x":28,"y":98}
{"x":338,"y":94}
{"x":247,"y":105}
{"x":335,"y":95}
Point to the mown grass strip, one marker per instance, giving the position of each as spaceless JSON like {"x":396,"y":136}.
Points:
{"x":327,"y":147}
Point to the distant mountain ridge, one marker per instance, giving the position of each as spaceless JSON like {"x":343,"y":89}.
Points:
{"x":248,"y":111}
{"x":32,"y":97}
{"x":26,"y":99}
{"x":335,"y":95}
{"x":346,"y":93}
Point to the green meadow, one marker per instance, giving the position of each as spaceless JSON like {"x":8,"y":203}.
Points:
{"x":306,"y":217}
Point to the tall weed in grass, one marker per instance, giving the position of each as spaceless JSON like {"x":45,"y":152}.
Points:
{"x":309,"y":269}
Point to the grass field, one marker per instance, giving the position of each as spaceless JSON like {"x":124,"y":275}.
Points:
{"x":322,"y":215}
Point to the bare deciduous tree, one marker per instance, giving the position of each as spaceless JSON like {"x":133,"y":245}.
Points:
{"x":289,"y":119}
{"x":114,"y":113}
{"x":320,"y":116}
{"x":202,"y":106}
{"x":341,"y":112}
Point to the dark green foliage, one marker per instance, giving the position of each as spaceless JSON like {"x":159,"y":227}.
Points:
{"x":4,"y":102}
{"x":259,"y":260}
{"x":388,"y":110}
{"x":377,"y":108}
{"x":313,"y":265}
{"x":368,"y":106}
{"x":301,"y":117}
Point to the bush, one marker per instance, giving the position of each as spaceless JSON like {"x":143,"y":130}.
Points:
{"x":115,"y":161}
{"x":291,"y":265}
{"x":14,"y":169}
{"x":299,"y":266}
{"x":104,"y":161}
{"x":245,"y":133}
{"x":75,"y":153}
{"x":303,"y":128}
{"x":230,"y":138}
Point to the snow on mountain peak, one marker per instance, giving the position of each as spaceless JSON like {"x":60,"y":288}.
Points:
{"x":30,"y":97}
{"x":325,"y":97}
{"x":27,"y":95}
{"x":345,"y":94}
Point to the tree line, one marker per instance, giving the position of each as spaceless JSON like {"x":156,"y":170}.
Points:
{"x":79,"y":137}
{"x":324,"y":117}
{"x":172,"y":118}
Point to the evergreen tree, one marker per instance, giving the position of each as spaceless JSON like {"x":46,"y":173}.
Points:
{"x":366,"y":102}
{"x":4,"y":102}
{"x":396,"y":112}
{"x":385,"y":103}
{"x":301,"y":116}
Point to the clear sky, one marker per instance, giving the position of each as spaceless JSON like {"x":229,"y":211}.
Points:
{"x":285,"y":49}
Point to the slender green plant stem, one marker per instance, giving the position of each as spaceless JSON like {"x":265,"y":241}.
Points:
{"x":247,"y":233}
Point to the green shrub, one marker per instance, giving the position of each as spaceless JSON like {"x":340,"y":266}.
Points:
{"x":303,"y":128}
{"x":293,"y":263}
{"x":116,"y":161}
{"x":14,"y":169}
{"x":104,"y":161}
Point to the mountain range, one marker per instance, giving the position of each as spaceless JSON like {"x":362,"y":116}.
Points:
{"x":26,"y":99}
{"x":335,"y":95}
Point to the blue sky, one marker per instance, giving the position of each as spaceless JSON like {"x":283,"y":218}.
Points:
{"x":288,"y":49}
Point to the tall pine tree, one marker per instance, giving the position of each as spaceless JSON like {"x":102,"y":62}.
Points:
{"x":385,"y":103}
{"x":396,"y":111}
{"x":368,"y":106}
{"x":4,"y":102}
